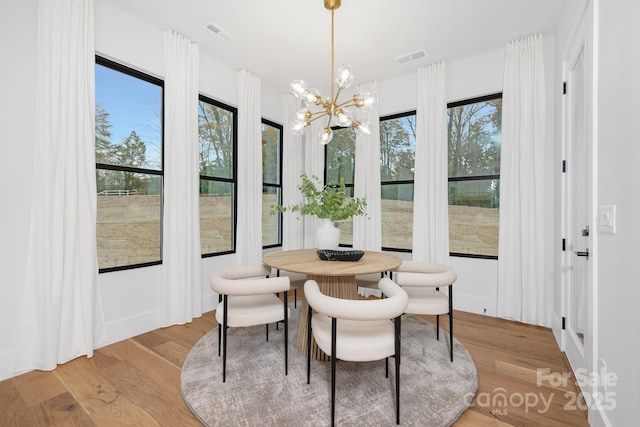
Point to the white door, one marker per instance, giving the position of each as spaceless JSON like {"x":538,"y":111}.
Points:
{"x":578,"y":280}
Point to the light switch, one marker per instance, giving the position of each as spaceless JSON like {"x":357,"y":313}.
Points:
{"x":607,"y":219}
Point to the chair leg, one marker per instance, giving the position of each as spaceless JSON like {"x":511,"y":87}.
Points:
{"x":295,"y":298}
{"x":398,"y":336}
{"x":286,"y":334}
{"x":451,"y":321}
{"x":333,"y":370}
{"x":267,"y":330}
{"x":309,"y":345}
{"x":224,"y":342}
{"x":219,"y":327}
{"x":438,"y":327}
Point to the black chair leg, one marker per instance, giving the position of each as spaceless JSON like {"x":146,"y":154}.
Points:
{"x":224,"y":342}
{"x":309,"y":345}
{"x":219,"y":326}
{"x":451,"y":321}
{"x":333,"y":370}
{"x":267,"y":330}
{"x":438,"y":327}
{"x":398,"y":336}
{"x":286,"y":335}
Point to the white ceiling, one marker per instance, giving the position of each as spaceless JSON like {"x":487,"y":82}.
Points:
{"x":280,"y":40}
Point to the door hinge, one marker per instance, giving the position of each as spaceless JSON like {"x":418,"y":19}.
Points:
{"x":564,"y":166}
{"x":564,"y":322}
{"x":564,"y":88}
{"x":564,"y":244}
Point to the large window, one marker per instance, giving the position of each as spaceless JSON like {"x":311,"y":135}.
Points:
{"x":271,"y":182}
{"x":128,"y":166}
{"x":474,"y":128}
{"x":397,"y":160}
{"x":340,"y":156}
{"x":218,"y":141}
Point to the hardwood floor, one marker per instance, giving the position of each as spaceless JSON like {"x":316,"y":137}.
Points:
{"x":136,"y":382}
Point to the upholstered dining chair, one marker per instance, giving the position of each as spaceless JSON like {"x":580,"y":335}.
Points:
{"x":248,"y":298}
{"x":422,"y":282}
{"x":356,"y":330}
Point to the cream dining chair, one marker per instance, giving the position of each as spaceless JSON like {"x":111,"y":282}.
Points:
{"x":248,"y":298}
{"x":422,"y":282}
{"x":356,"y":330}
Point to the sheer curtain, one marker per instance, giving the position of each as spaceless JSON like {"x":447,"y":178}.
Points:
{"x":367,"y":232}
{"x":62,"y":316}
{"x":292,"y":227}
{"x":430,"y":205}
{"x":522,"y":169}
{"x":181,"y":262}
{"x":249,"y":231}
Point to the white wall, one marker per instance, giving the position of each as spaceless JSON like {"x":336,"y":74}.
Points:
{"x":18,"y":31}
{"x":618,"y":178}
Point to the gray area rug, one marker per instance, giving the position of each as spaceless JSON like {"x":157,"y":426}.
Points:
{"x":433,"y":391}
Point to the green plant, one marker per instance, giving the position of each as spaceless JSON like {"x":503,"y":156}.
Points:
{"x":329,"y":201}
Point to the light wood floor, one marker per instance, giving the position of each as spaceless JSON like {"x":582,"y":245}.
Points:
{"x":136,"y":382}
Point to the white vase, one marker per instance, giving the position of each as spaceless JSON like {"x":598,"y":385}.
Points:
{"x":327,"y":235}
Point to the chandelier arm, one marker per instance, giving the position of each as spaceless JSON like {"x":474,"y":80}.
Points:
{"x":346,"y":104}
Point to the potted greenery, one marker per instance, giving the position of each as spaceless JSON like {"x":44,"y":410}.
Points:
{"x":329,"y":203}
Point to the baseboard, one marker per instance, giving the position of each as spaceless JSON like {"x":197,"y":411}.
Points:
{"x":7,"y":364}
{"x":556,"y":328}
{"x":126,"y":328}
{"x":475,"y":304}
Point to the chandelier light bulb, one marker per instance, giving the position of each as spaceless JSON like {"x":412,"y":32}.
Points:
{"x":297,"y":127}
{"x":312,"y":97}
{"x":365,"y":100}
{"x":344,"y":77}
{"x":299,"y":88}
{"x":326,"y":135}
{"x":303,"y":114}
{"x":343,"y":118}
{"x":362,"y":127}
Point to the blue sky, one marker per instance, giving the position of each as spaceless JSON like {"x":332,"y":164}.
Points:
{"x":132,"y":104}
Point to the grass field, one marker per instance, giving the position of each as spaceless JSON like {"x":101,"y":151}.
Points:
{"x":128,"y":227}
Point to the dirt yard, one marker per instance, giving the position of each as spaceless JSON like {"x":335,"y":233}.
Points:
{"x":128,"y":228}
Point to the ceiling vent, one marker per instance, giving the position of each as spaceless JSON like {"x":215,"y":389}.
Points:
{"x":413,"y":56}
{"x":224,"y":35}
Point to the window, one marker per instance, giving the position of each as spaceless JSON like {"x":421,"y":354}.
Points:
{"x":271,"y":183}
{"x":218,"y":147}
{"x":475,"y":130}
{"x":340,"y":156}
{"x":397,"y":160}
{"x":129,"y":148}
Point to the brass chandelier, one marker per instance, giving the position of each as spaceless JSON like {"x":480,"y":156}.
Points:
{"x":330,"y":107}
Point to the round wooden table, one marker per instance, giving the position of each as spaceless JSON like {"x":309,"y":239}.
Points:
{"x":335,"y":278}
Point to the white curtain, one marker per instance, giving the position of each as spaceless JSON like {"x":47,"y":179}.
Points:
{"x":292,"y":226}
{"x":181,"y":262}
{"x":62,"y":316}
{"x":249,"y":231}
{"x":367,"y":231}
{"x":313,"y":165}
{"x":522,"y":170}
{"x":430,"y":206}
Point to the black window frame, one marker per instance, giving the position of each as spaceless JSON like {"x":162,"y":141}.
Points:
{"x":234,"y":172}
{"x":493,"y":96}
{"x":279,"y":184}
{"x":399,"y":182}
{"x":116,"y":66}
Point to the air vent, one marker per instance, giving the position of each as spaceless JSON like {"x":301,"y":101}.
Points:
{"x":224,"y":35}
{"x":411,"y":56}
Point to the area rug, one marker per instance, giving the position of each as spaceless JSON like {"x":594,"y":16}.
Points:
{"x":433,"y":390}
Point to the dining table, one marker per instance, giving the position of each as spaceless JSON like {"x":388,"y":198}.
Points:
{"x":334,"y":278}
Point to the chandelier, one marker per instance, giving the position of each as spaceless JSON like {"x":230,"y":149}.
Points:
{"x":330,"y":107}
